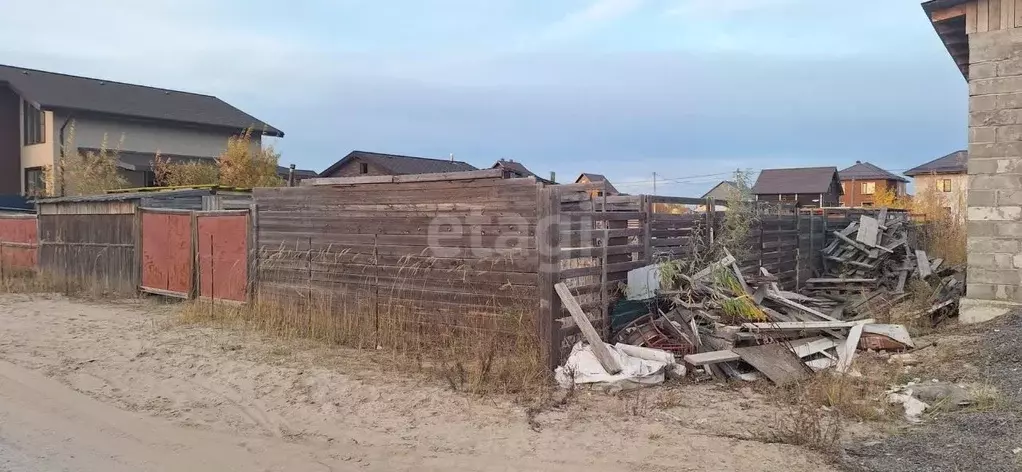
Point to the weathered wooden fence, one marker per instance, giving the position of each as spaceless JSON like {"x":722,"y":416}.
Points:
{"x":399,"y":255}
{"x":90,"y":244}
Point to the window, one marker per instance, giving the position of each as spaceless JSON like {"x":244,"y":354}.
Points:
{"x":867,"y":204}
{"x":944,"y":185}
{"x":363,"y":168}
{"x":35,"y":182}
{"x":869,"y":188}
{"x":843,"y":188}
{"x":34,"y":125}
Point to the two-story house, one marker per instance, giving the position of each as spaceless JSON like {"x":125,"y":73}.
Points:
{"x":862,"y":182}
{"x":808,"y":187}
{"x":39,"y":109}
{"x":946,"y":178}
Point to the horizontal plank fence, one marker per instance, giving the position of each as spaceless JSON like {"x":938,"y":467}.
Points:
{"x":396,"y":260}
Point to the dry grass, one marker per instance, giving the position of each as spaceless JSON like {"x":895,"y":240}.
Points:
{"x":472,"y":360}
{"x":944,"y":232}
{"x":816,"y":412}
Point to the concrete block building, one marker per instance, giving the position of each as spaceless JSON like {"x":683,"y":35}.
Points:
{"x":984,"y":37}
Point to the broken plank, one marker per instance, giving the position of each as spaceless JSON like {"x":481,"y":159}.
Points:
{"x":600,"y":350}
{"x":820,"y":281}
{"x":775,"y":361}
{"x":847,"y":352}
{"x":923,"y":264}
{"x":868,"y":231}
{"x":797,"y":306}
{"x":802,"y":325}
{"x":851,"y":242}
{"x":808,"y":346}
{"x":727,"y":261}
{"x":712,"y":357}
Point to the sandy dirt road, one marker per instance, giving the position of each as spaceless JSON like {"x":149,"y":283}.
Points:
{"x":121,"y":387}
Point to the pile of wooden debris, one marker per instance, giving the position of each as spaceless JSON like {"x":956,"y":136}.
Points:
{"x":734,"y":326}
{"x":868,"y":265}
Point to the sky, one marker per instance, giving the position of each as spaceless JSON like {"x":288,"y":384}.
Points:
{"x":688,"y":89}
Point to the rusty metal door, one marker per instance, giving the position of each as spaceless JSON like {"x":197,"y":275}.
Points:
{"x":168,"y":248}
{"x":223,"y":254}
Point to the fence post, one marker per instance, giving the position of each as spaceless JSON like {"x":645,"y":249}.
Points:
{"x":647,"y":229}
{"x":253,"y":251}
{"x":604,"y":308}
{"x":711,"y":218}
{"x":548,"y":244}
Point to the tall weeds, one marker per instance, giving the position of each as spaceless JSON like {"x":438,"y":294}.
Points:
{"x":944,"y":231}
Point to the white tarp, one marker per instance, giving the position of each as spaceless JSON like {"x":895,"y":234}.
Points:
{"x":639,"y":366}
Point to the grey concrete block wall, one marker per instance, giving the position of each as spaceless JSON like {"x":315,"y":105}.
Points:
{"x":995,"y":166}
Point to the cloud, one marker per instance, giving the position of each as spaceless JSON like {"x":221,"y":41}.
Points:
{"x":581,"y":22}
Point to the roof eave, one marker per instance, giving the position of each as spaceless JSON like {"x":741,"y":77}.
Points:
{"x":948,"y":20}
{"x":265,"y":130}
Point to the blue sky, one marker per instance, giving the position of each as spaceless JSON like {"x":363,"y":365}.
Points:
{"x":620,"y":87}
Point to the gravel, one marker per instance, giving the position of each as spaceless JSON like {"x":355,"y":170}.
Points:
{"x":963,"y":441}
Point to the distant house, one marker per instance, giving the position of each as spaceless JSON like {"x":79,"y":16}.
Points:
{"x":300,"y":174}
{"x":514,"y":169}
{"x":587,"y":178}
{"x":358,"y":163}
{"x":947,"y":177}
{"x":725,"y":190}
{"x":38,"y":110}
{"x":861,"y":183}
{"x":803,"y":186}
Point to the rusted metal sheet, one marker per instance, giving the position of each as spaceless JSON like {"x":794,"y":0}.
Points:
{"x":223,"y":256}
{"x":19,"y":243}
{"x":167,"y":261}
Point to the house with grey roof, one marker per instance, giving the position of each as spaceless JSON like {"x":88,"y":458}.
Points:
{"x":946,"y":178}
{"x":40,"y":111}
{"x":359,"y":163}
{"x":862,"y":182}
{"x":515,"y":169}
{"x":808,"y":187}
{"x":590,"y":178}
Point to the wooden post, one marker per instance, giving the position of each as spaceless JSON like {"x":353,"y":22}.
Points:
{"x":604,"y":308}
{"x":137,"y":228}
{"x":253,"y":251}
{"x":548,"y":243}
{"x":647,"y":218}
{"x":711,"y":218}
{"x":196,"y":290}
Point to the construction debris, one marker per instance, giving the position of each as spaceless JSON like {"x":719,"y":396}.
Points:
{"x":726,"y":324}
{"x":869,"y":264}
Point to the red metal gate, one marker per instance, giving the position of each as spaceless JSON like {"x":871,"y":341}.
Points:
{"x":168,"y":244}
{"x":223,"y":254}
{"x":19,"y":242}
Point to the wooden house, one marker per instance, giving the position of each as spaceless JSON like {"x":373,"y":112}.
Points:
{"x":806,"y":187}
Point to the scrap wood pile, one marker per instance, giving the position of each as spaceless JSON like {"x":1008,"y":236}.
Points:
{"x":725,"y":325}
{"x":869,"y":263}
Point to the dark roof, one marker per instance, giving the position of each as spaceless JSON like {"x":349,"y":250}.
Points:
{"x":51,"y":90}
{"x":955,"y":163}
{"x":300,"y":173}
{"x":797,"y":180}
{"x":518,"y":168}
{"x":402,"y":165}
{"x":867,"y":171}
{"x":722,"y":190}
{"x":598,"y":178}
{"x":143,"y":161}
